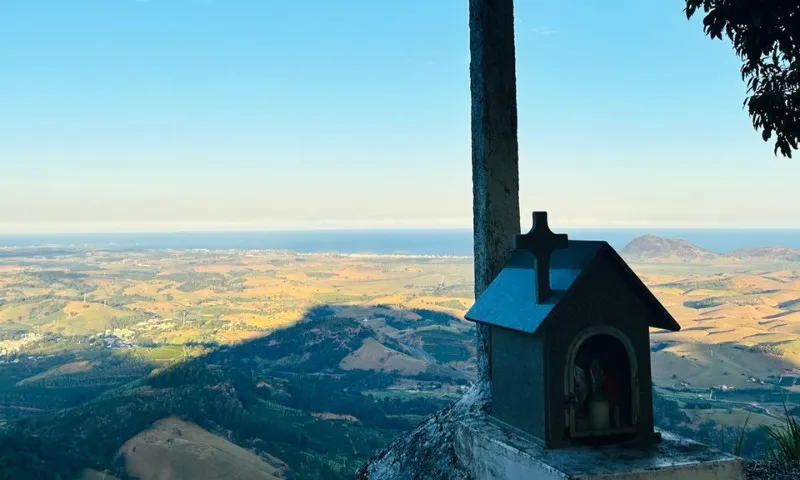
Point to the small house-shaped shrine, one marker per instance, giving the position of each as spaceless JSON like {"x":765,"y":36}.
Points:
{"x":570,"y":348}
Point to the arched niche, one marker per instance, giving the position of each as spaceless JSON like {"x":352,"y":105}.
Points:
{"x":601,"y":386}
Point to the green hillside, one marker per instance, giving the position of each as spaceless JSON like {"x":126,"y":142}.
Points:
{"x":283,"y":396}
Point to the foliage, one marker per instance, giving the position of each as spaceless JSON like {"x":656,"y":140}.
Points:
{"x":452,"y":304}
{"x":429,"y":318}
{"x":430,"y":376}
{"x":260,"y":395}
{"x":704,"y":303}
{"x":445,"y":345}
{"x":34,"y":459}
{"x":793,"y":305}
{"x":787,"y":439}
{"x":323,"y":275}
{"x":738,"y":447}
{"x":194,"y":281}
{"x":768,"y":349}
{"x":432,"y":317}
{"x":764,"y":36}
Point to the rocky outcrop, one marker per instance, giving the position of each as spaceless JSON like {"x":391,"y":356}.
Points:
{"x":650,"y":248}
{"x":428,"y":452}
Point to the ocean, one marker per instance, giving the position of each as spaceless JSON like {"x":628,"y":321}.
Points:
{"x":411,"y":242}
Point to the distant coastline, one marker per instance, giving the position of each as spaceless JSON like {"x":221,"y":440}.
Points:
{"x":435,"y":242}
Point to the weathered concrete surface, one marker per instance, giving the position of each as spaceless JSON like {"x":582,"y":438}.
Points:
{"x":428,"y":453}
{"x":495,"y":150}
{"x":772,"y":470}
{"x":488,"y":451}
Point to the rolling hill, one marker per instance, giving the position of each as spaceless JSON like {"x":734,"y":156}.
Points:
{"x":297,"y":404}
{"x":81,"y":334}
{"x":651,"y":248}
{"x":768,"y":253}
{"x":172,"y":448}
{"x":655,"y":249}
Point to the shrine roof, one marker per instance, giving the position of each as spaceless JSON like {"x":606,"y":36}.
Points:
{"x":510,"y":300}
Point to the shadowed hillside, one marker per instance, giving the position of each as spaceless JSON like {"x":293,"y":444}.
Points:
{"x":315,"y":399}
{"x":304,"y":400}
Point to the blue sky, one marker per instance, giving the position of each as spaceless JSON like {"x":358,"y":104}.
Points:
{"x":195,"y":114}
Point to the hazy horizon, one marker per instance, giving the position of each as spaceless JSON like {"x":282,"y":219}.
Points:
{"x":447,"y":242}
{"x":645,"y":228}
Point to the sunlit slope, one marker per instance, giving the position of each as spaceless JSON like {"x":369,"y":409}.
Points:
{"x":177,"y":450}
{"x":739,"y":313}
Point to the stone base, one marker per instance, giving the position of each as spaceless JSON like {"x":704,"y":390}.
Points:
{"x":489,"y":451}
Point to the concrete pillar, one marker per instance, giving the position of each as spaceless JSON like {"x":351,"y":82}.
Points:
{"x":495,"y":151}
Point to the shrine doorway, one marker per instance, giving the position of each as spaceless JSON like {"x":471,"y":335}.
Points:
{"x":601,"y":387}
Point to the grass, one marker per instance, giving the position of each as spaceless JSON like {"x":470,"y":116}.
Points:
{"x":786,"y":437}
{"x":445,"y":345}
{"x":452,"y":304}
{"x":164,"y":353}
{"x":739,"y":445}
{"x":749,"y":299}
{"x":336,"y":297}
{"x":322,"y":275}
{"x":84,"y":318}
{"x":20,"y":312}
{"x":730,"y":417}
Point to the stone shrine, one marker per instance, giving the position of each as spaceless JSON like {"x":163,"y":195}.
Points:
{"x":520,"y":439}
{"x":571,"y":391}
{"x":570,"y":344}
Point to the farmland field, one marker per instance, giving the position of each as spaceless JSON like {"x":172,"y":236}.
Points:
{"x":83,"y":327}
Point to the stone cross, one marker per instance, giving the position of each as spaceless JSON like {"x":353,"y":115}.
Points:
{"x":541,"y":241}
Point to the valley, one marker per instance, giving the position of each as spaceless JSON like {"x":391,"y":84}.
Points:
{"x":303,"y":365}
{"x":308,"y":362}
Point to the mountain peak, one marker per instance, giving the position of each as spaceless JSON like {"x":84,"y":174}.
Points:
{"x":652,"y":248}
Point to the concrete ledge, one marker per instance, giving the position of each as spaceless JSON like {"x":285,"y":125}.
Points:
{"x":490,"y":452}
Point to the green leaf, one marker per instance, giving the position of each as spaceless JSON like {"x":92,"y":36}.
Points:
{"x":737,"y":448}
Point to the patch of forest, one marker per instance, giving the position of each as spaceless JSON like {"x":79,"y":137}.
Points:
{"x":258,"y":394}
